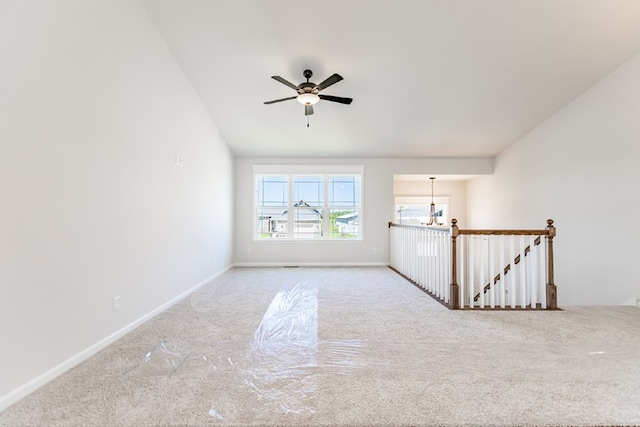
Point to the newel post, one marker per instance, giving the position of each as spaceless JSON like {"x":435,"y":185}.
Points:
{"x":454,"y":300}
{"x":552,"y":296}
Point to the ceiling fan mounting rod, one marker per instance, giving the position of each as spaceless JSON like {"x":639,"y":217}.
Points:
{"x":307,"y":74}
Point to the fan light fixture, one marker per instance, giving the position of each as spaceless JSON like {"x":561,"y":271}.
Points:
{"x":308,"y":98}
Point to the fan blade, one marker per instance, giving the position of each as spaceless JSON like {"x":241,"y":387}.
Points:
{"x":336,"y":99}
{"x":285,"y":82}
{"x":329,"y":81}
{"x":308,"y":110}
{"x":280,"y":100}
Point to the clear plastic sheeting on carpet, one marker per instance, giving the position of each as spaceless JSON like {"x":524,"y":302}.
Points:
{"x":277,"y":368}
{"x":162,"y":360}
{"x":278,"y":371}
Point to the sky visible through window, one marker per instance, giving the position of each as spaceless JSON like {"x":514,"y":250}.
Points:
{"x":344,"y":191}
{"x":274,"y":190}
{"x":309,"y":189}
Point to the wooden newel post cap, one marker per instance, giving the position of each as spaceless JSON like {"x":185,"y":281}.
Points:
{"x":455,"y":221}
{"x":552,"y":229}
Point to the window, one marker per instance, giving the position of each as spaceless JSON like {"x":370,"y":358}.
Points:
{"x":416,"y":210}
{"x":308,"y":206}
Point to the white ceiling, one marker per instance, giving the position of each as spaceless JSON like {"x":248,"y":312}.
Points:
{"x":428,"y":77}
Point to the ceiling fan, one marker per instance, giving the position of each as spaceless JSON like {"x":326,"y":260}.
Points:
{"x":309,"y":92}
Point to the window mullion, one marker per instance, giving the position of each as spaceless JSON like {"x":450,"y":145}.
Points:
{"x":326,"y":212}
{"x":290,"y":213}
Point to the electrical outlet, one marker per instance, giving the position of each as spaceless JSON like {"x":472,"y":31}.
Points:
{"x":116,"y":303}
{"x":374,"y":251}
{"x":638,"y":302}
{"x":249,"y":251}
{"x":212,"y":260}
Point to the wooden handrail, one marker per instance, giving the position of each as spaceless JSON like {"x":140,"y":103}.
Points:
{"x":504,"y":232}
{"x":421,"y":227}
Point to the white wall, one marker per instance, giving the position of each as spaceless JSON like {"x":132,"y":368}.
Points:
{"x":378,"y":210}
{"x":581,"y":168}
{"x":93,"y":111}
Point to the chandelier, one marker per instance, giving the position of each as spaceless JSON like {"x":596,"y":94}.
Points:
{"x":433,"y":220}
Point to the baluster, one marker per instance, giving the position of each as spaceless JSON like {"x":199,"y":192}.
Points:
{"x":403,"y":259}
{"x":427,"y":255}
{"x":501,"y":266}
{"x":522,"y":271}
{"x":424,"y":264}
{"x":399,"y":250}
{"x":542,"y":254}
{"x":392,"y":247}
{"x":491,"y":255}
{"x":407,"y":259}
{"x":405,"y":252}
{"x":436,"y":265}
{"x":446,"y":275}
{"x":512,"y":272}
{"x":400,"y":239}
{"x":440,"y":267}
{"x":483,"y":255}
{"x":429,"y":262}
{"x":416,"y":265}
{"x":412,"y":253}
{"x":462,"y":277}
{"x":427,"y":242}
{"x":472,"y":273}
{"x":419,"y":243}
{"x":531,"y":268}
{"x":433,"y":264}
{"x":444,"y":268}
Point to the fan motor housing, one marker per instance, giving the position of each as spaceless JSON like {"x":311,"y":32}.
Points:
{"x":307,"y":87}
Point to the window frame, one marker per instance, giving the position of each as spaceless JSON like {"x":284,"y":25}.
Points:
{"x":326,"y":172}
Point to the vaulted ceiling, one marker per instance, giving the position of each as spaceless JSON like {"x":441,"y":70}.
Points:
{"x":428,"y":77}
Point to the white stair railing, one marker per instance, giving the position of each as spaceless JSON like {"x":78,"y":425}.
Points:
{"x":422,"y":255}
{"x":478,"y":269}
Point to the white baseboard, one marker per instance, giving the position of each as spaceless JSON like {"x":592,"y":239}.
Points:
{"x":311,"y":264}
{"x":28,"y":388}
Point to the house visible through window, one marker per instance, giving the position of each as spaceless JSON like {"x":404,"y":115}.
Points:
{"x":301,"y":206}
{"x":416,"y":210}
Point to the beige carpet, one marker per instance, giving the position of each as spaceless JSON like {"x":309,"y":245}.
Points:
{"x":350,"y":346}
